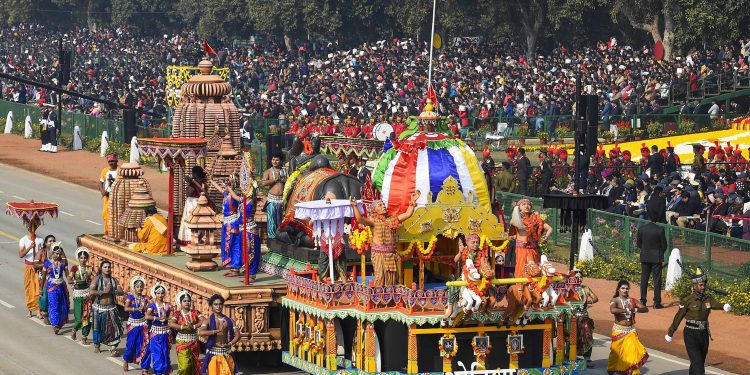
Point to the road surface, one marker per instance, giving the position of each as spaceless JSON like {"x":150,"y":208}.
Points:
{"x":29,"y":347}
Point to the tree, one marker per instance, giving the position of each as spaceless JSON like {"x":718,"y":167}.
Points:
{"x":278,"y":17}
{"x":656,"y":17}
{"x":533,"y":14}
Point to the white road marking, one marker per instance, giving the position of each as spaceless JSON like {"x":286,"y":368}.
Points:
{"x":38,"y":321}
{"x":93,"y":222}
{"x":66,"y":213}
{"x":117,"y":361}
{"x":77,"y":341}
{"x":17,"y":197}
{"x":6,"y":304}
{"x":1,"y":242}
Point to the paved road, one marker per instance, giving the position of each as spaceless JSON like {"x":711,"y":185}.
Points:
{"x":23,"y":339}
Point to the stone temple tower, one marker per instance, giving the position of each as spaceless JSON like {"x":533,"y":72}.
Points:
{"x":206,"y":111}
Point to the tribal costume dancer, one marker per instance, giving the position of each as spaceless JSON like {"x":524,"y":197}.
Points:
{"x":274,"y":179}
{"x":585,"y":323}
{"x":159,"y":338}
{"x":136,"y":329}
{"x":55,"y":273}
{"x":231,"y":242}
{"x":80,"y":278}
{"x":221,"y":334}
{"x":107,"y":324}
{"x":530,"y":230}
{"x":186,"y":322}
{"x":28,"y":251}
{"x":627,"y":354}
{"x":384,"y":257}
{"x":695,"y":309}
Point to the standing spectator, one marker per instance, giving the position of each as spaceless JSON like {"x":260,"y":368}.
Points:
{"x":655,"y":162}
{"x":714,"y":110}
{"x":652,"y":241}
{"x":546,"y":175}
{"x":504,"y":179}
{"x":523,"y":172}
{"x":657,"y":205}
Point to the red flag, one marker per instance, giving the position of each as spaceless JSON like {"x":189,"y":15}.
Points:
{"x":207,"y":49}
{"x":432,"y":96}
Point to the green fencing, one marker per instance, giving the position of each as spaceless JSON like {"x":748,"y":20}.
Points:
{"x":615,"y":237}
{"x":722,"y":256}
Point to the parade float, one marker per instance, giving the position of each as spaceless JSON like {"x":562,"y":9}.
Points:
{"x":205,"y":133}
{"x":447,"y":312}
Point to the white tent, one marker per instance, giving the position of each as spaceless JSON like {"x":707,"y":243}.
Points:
{"x":77,"y":141}
{"x":104,"y":145}
{"x":134,"y":155}
{"x":8,"y":122}
{"x":27,"y":131}
{"x":586,"y":250}
{"x":674,"y":268}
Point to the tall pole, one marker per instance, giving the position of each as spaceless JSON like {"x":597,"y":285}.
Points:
{"x":432,"y":41}
{"x":58,"y":126}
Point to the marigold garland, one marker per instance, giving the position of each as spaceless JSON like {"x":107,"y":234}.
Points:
{"x":423,"y":252}
{"x":361,"y":239}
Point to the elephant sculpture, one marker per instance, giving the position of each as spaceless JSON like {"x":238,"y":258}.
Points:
{"x":316,"y":184}
{"x":297,"y":155}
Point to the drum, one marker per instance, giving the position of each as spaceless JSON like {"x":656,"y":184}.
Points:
{"x":381,"y":131}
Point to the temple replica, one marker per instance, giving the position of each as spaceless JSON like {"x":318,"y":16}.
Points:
{"x":449,"y":309}
{"x":206,"y":133}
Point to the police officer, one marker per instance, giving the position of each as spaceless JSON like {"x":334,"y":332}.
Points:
{"x":695,"y":309}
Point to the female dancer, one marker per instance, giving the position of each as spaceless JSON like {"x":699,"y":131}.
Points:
{"x":159,"y":340}
{"x":40,"y":257}
{"x":136,"y":330}
{"x":627,"y":354}
{"x":57,"y":290}
{"x":196,"y":185}
{"x":231,"y":242}
{"x":80,"y":277}
{"x":186,"y":323}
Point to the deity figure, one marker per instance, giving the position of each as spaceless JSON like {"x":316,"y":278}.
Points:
{"x":384,"y":239}
{"x":530,"y":230}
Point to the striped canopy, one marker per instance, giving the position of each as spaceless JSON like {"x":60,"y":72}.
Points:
{"x":422,"y":162}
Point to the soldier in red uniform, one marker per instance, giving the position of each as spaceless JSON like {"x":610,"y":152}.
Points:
{"x":398,"y":126}
{"x":645,"y":153}
{"x":367,"y":129}
{"x":629,"y":171}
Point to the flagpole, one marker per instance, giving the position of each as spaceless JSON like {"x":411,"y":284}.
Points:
{"x":432,"y":42}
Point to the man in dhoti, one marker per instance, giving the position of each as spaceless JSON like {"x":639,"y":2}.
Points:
{"x":529,"y":229}
{"x":274,"y":179}
{"x":106,"y":179}
{"x":384,"y":239}
{"x":152,"y":238}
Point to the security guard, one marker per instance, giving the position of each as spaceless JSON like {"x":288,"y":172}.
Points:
{"x":695,"y":309}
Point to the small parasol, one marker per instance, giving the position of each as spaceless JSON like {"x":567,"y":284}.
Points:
{"x":32,"y":213}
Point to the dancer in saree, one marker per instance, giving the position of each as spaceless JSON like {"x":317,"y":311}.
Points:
{"x":41,"y":256}
{"x":221,"y":334}
{"x":186,"y":322}
{"x":231,"y":242}
{"x":80,"y":277}
{"x":627,"y":354}
{"x":55,"y":274}
{"x":159,"y":339}
{"x":107,"y":324}
{"x":136,"y":330}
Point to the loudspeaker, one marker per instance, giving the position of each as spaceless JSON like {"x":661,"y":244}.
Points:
{"x":65,"y":67}
{"x":128,"y":120}
{"x":274,"y":144}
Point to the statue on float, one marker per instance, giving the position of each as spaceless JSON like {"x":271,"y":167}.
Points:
{"x":384,"y":258}
{"x":478,"y":271}
{"x":530,"y":231}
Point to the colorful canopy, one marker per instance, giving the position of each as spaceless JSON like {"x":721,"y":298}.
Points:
{"x":31,"y":210}
{"x":422,"y":161}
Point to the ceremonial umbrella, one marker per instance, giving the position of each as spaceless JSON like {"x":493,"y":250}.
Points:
{"x":422,"y":161}
{"x":173,"y":151}
{"x":31,"y":213}
{"x":328,"y":217}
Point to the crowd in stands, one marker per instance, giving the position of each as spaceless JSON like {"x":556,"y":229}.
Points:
{"x":711,"y":194}
{"x":380,"y":80}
